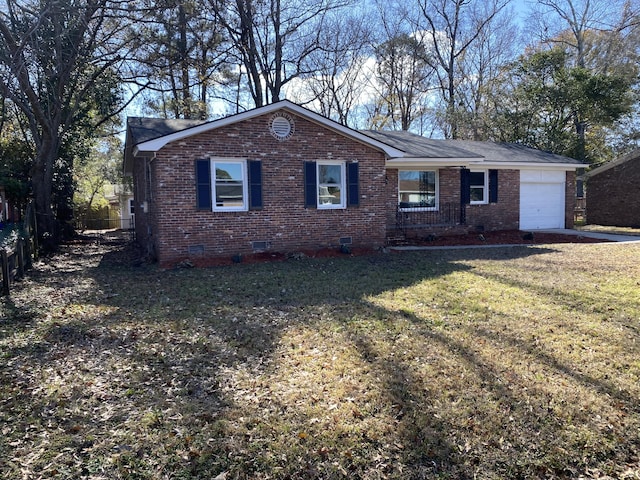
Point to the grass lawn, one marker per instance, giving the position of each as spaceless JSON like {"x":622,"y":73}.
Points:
{"x":496,"y":363}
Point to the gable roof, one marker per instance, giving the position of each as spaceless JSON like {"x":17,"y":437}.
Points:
{"x":148,"y":135}
{"x":145,"y":136}
{"x":635,"y":154}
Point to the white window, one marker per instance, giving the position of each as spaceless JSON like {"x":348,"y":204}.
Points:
{"x":418,"y":189}
{"x":331,"y":184}
{"x":229,"y":185}
{"x":479,"y":186}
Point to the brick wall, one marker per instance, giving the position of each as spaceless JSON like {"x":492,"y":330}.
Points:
{"x":184,"y":232}
{"x":613,"y":196}
{"x":570,"y":199}
{"x":505,"y":213}
{"x":502,"y":215}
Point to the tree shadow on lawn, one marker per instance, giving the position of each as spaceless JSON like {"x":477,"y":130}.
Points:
{"x":183,"y":373}
{"x":513,"y":410}
{"x":586,"y":300}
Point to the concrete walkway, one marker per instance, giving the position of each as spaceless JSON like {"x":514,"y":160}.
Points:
{"x":611,"y":237}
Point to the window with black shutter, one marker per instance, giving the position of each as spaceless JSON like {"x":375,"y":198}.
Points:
{"x":228,"y":184}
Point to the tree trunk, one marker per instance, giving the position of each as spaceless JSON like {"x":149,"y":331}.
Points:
{"x":183,"y":55}
{"x":42,"y":186}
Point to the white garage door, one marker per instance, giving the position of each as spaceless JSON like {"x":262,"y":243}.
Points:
{"x":542,"y":199}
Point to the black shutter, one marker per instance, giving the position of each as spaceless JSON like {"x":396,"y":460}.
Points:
{"x":493,"y":186}
{"x":255,"y":184}
{"x":353,"y":190}
{"x":203,"y":184}
{"x":310,"y":185}
{"x":465,"y":186}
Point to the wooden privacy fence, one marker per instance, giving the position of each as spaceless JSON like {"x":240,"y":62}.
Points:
{"x":15,"y":260}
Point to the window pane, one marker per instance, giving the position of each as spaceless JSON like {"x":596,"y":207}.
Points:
{"x":478,"y":184}
{"x":329,"y":195}
{"x":228,"y":171}
{"x":229,"y":194}
{"x":229,"y":185}
{"x":476,"y":178}
{"x":330,"y":174}
{"x":477,"y":194}
{"x":417,"y":188}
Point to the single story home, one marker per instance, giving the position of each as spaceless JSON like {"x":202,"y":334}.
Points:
{"x":282,"y":178}
{"x":613,"y":192}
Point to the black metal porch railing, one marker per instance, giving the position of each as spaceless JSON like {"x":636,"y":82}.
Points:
{"x":448,"y":214}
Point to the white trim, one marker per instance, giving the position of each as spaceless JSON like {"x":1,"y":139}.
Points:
{"x":485,"y":187}
{"x":158,"y":143}
{"x":245,"y":188}
{"x":343,"y":186}
{"x":436,"y":205}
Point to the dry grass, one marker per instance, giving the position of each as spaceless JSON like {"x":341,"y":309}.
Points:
{"x":500,"y":363}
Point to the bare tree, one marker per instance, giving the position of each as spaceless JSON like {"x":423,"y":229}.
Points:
{"x":452,"y":26}
{"x":272,"y":39}
{"x":573,"y":24}
{"x":338,"y":76}
{"x":480,"y":69}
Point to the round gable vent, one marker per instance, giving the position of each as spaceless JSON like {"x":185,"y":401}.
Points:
{"x":282,"y":126}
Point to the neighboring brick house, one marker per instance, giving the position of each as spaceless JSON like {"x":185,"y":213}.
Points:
{"x":281,"y":178}
{"x":613,"y":192}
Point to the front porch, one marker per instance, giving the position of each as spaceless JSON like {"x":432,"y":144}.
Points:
{"x":449,"y":219}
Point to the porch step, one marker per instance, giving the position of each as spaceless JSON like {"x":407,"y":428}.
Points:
{"x":397,"y":239}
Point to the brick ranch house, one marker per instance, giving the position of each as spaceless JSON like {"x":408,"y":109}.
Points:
{"x":613,"y":195}
{"x":282,"y":178}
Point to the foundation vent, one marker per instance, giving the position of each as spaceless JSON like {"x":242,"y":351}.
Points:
{"x":196,"y":249}
{"x":260,"y":246}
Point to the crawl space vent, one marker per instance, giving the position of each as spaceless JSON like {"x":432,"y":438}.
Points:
{"x":260,"y":246}
{"x":195,"y":249}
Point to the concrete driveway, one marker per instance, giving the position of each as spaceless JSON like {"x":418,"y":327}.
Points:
{"x":611,"y":237}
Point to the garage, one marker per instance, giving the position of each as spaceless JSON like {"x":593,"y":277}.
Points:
{"x":542,"y":199}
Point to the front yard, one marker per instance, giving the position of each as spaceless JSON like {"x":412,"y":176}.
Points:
{"x":518,"y":362}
